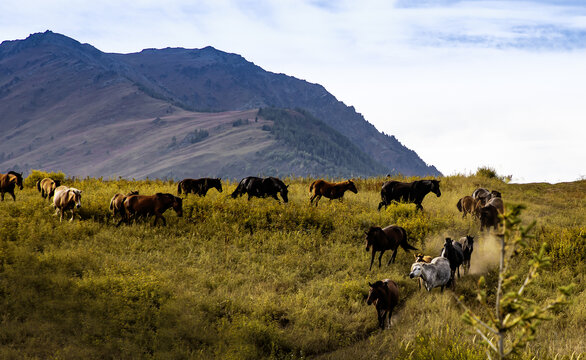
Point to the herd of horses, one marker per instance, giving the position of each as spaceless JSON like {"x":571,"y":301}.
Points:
{"x":432,"y":272}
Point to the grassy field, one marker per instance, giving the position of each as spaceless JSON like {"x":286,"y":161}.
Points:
{"x":239,"y":279}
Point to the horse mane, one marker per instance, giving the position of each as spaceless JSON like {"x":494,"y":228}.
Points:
{"x":12,"y":172}
{"x":376,"y":284}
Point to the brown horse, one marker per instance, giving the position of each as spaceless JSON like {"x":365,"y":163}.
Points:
{"x":117,"y":203}
{"x":389,"y":238}
{"x":8,"y":182}
{"x":198,"y":186}
{"x":47,"y":187}
{"x":66,"y":198}
{"x":147,"y":205}
{"x":468,"y":205}
{"x":320,"y":188}
{"x":385,"y":296}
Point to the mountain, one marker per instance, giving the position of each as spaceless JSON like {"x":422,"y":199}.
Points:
{"x":176,"y":113}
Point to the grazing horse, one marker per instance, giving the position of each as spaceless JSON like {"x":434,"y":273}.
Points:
{"x":66,"y":198}
{"x":385,"y":296}
{"x":117,"y":203}
{"x":259,"y":187}
{"x":320,"y":188}
{"x":389,"y":238}
{"x":147,"y":205}
{"x":198,"y":186}
{"x":437,"y":273}
{"x":412,"y":192}
{"x":8,"y":182}
{"x":489,"y":217}
{"x":453,"y":252}
{"x":468,"y":205}
{"x":467,"y":243}
{"x":47,"y":187}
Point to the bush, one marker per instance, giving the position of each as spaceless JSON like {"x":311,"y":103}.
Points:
{"x":36,"y":175}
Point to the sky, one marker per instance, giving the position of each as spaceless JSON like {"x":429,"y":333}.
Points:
{"x":465,"y":84}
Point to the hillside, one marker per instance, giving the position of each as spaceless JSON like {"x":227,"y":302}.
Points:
{"x":68,"y":106}
{"x":239,"y":279}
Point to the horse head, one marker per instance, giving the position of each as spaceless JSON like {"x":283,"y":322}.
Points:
{"x":372,"y":236}
{"x":352,"y":187}
{"x":416,"y":270}
{"x":217,"y":183}
{"x":75,"y":196}
{"x":178,"y":206}
{"x":284,"y":190}
{"x":374,"y":293}
{"x":18,"y":178}
{"x":435,"y":188}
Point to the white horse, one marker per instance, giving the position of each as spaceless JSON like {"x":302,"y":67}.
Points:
{"x":66,"y":198}
{"x":437,"y":273}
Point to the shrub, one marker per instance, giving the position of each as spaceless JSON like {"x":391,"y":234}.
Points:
{"x":36,"y":175}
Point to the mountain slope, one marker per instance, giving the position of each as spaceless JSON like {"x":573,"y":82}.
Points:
{"x":68,"y":106}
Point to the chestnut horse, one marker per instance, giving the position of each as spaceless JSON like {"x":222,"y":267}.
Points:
{"x":198,"y":186}
{"x":66,"y":198}
{"x":147,"y":205}
{"x":320,"y":188}
{"x":117,"y":203}
{"x":385,"y":296}
{"x":8,"y":182}
{"x":47,"y":187}
{"x":389,"y":238}
{"x":469,"y":205}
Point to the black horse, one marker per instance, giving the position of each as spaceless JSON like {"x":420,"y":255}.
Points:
{"x":198,"y":186}
{"x":259,"y":187}
{"x":412,"y":192}
{"x":453,"y":252}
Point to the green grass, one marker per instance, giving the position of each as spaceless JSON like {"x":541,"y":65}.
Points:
{"x":239,"y":279}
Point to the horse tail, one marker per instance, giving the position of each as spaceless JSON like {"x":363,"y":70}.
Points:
{"x":311,"y":186}
{"x":112,"y":203}
{"x":39,"y":185}
{"x":179,"y":187}
{"x":459,"y":205}
{"x":404,"y":243}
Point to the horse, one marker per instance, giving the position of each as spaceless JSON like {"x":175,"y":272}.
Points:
{"x":481,"y":194}
{"x":320,"y":188}
{"x":117,"y":202}
{"x":47,"y":187}
{"x":437,"y":273}
{"x":467,"y":243}
{"x":389,"y":238}
{"x":385,"y":296}
{"x":497,"y":202}
{"x":8,"y":182}
{"x":420,"y":258}
{"x":468,"y":205}
{"x":453,"y":252}
{"x":147,"y":205}
{"x":259,"y":187}
{"x":66,"y":198}
{"x":412,"y":192}
{"x":198,"y":186}
{"x":489,"y":217}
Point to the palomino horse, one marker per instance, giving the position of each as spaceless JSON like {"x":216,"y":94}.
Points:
{"x":412,"y":192}
{"x":117,"y":203}
{"x":437,"y":273}
{"x":198,"y":186}
{"x":47,"y":187}
{"x":147,"y":205}
{"x":389,"y":238}
{"x":320,"y":188}
{"x":255,"y":186}
{"x":8,"y":182}
{"x":385,"y":296}
{"x":66,"y":198}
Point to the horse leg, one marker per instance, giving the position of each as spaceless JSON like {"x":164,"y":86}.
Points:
{"x":2,"y":194}
{"x":317,"y":200}
{"x":371,"y":260}
{"x":72,"y":215}
{"x":13,"y":196}
{"x":458,"y":272}
{"x":392,"y":259}
{"x":380,"y":257}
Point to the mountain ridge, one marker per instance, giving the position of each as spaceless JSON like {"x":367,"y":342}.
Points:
{"x":52,"y":79}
